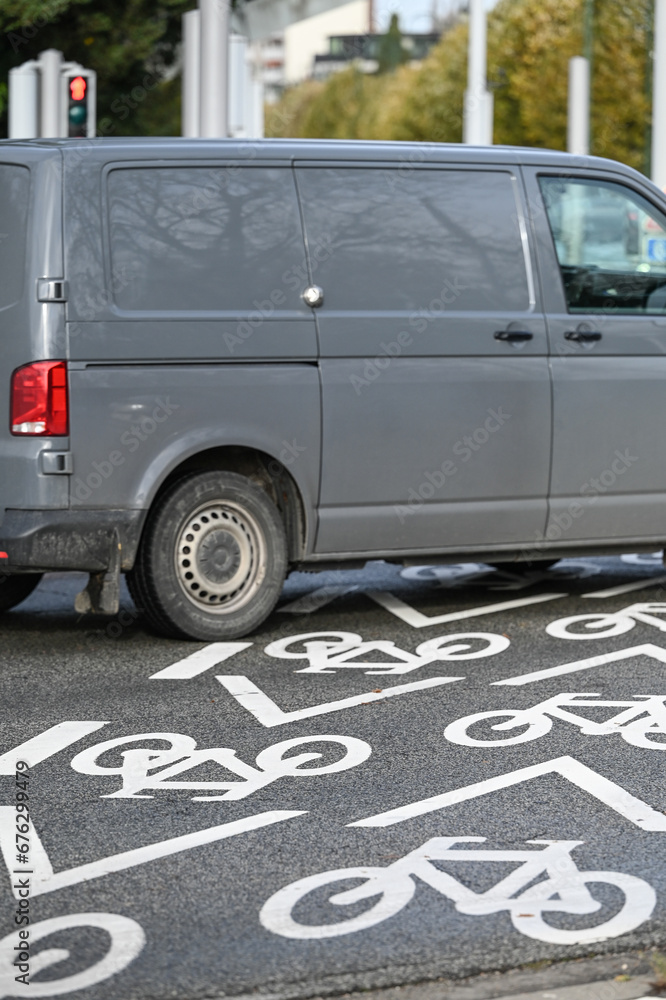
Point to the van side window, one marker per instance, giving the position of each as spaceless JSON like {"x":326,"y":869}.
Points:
{"x":201,"y":238}
{"x":14,"y":201}
{"x":610,"y":244}
{"x":399,"y":239}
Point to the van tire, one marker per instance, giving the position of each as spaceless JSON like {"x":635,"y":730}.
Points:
{"x":213,"y":558}
{"x":16,"y":588}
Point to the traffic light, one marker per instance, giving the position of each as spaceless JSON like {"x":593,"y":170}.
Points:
{"x":79,"y":102}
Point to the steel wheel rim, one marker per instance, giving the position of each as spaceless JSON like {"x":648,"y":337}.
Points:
{"x":220,"y":557}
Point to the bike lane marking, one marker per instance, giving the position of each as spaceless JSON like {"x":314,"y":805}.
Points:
{"x":417,"y":619}
{"x":626,"y":588}
{"x":44,"y":879}
{"x":634,"y":809}
{"x":199,"y":662}
{"x":644,"y":649}
{"x":48,"y":743}
{"x":269,"y":714}
{"x":127,"y":940}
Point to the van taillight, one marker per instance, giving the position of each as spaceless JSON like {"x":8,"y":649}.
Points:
{"x":39,"y":404}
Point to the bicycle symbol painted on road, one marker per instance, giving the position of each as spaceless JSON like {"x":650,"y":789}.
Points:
{"x":605,"y":626}
{"x":562,"y":889}
{"x":641,"y":721}
{"x":139,"y":770}
{"x":330,"y":651}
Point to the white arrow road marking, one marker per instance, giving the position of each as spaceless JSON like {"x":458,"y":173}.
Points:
{"x":626,"y":588}
{"x":200,"y":661}
{"x":269,"y":714}
{"x":416,"y":619}
{"x":645,"y":649}
{"x":612,"y":795}
{"x":48,"y":743}
{"x":44,"y":879}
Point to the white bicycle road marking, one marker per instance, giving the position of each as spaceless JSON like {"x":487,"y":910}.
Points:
{"x":417,"y":619}
{"x":608,"y":625}
{"x":634,"y":809}
{"x":639,"y":720}
{"x":182,"y":755}
{"x":269,"y":714}
{"x":644,"y":649}
{"x":626,"y":588}
{"x":563,"y":890}
{"x":328,"y":651}
{"x":48,"y":743}
{"x":45,"y":879}
{"x":127,"y":939}
{"x":199,"y":662}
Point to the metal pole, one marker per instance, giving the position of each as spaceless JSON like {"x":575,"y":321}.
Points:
{"x":578,"y":138}
{"x":191,"y":74}
{"x":24,"y":101}
{"x":214,"y":67}
{"x":478,"y":110}
{"x":588,"y":52}
{"x":659,"y":96}
{"x":50,"y":64}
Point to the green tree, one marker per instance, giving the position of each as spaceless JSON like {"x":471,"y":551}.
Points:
{"x":392,"y":53}
{"x":530,"y":43}
{"x":132,"y":44}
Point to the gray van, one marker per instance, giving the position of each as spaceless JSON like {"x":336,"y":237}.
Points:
{"x":225,"y":360}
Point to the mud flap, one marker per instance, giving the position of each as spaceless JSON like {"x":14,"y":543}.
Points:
{"x":101,"y":595}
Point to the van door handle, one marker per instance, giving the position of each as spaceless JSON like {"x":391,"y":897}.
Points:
{"x":513,"y":335}
{"x":581,"y":335}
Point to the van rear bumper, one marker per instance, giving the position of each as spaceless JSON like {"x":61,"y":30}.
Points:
{"x":43,"y":540}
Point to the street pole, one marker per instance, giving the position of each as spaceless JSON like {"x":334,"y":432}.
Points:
{"x":578,"y":133}
{"x":191,"y":74}
{"x":214,"y":67}
{"x":659,"y":96}
{"x":24,"y":101}
{"x":478,"y":109}
{"x":50,"y":63}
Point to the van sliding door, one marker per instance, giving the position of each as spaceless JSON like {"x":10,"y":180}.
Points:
{"x":435,"y":383}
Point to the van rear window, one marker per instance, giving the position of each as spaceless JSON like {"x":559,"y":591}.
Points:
{"x":14,"y":201}
{"x":201,"y":238}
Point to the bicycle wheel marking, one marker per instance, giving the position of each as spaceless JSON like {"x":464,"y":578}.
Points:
{"x":640,"y":719}
{"x":563,"y":890}
{"x":634,"y":809}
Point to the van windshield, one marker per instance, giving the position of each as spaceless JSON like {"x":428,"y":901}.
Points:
{"x":14,"y":200}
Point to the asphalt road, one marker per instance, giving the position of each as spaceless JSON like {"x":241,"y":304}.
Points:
{"x":165,"y":891}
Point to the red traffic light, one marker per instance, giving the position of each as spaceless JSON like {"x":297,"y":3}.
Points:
{"x":77,"y":88}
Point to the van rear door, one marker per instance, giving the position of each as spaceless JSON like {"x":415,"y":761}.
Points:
{"x":30,"y":330}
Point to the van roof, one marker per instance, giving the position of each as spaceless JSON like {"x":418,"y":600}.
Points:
{"x":338,"y":149}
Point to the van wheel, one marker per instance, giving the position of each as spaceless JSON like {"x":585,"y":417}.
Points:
{"x":14,"y":589}
{"x":212,"y":560}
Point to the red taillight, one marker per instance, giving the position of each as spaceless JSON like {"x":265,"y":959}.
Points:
{"x":39,"y":404}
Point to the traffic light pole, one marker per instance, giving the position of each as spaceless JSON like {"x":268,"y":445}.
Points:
{"x":50,"y":65}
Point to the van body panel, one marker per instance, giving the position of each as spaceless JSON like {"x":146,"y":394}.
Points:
{"x":150,"y":419}
{"x":195,"y":339}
